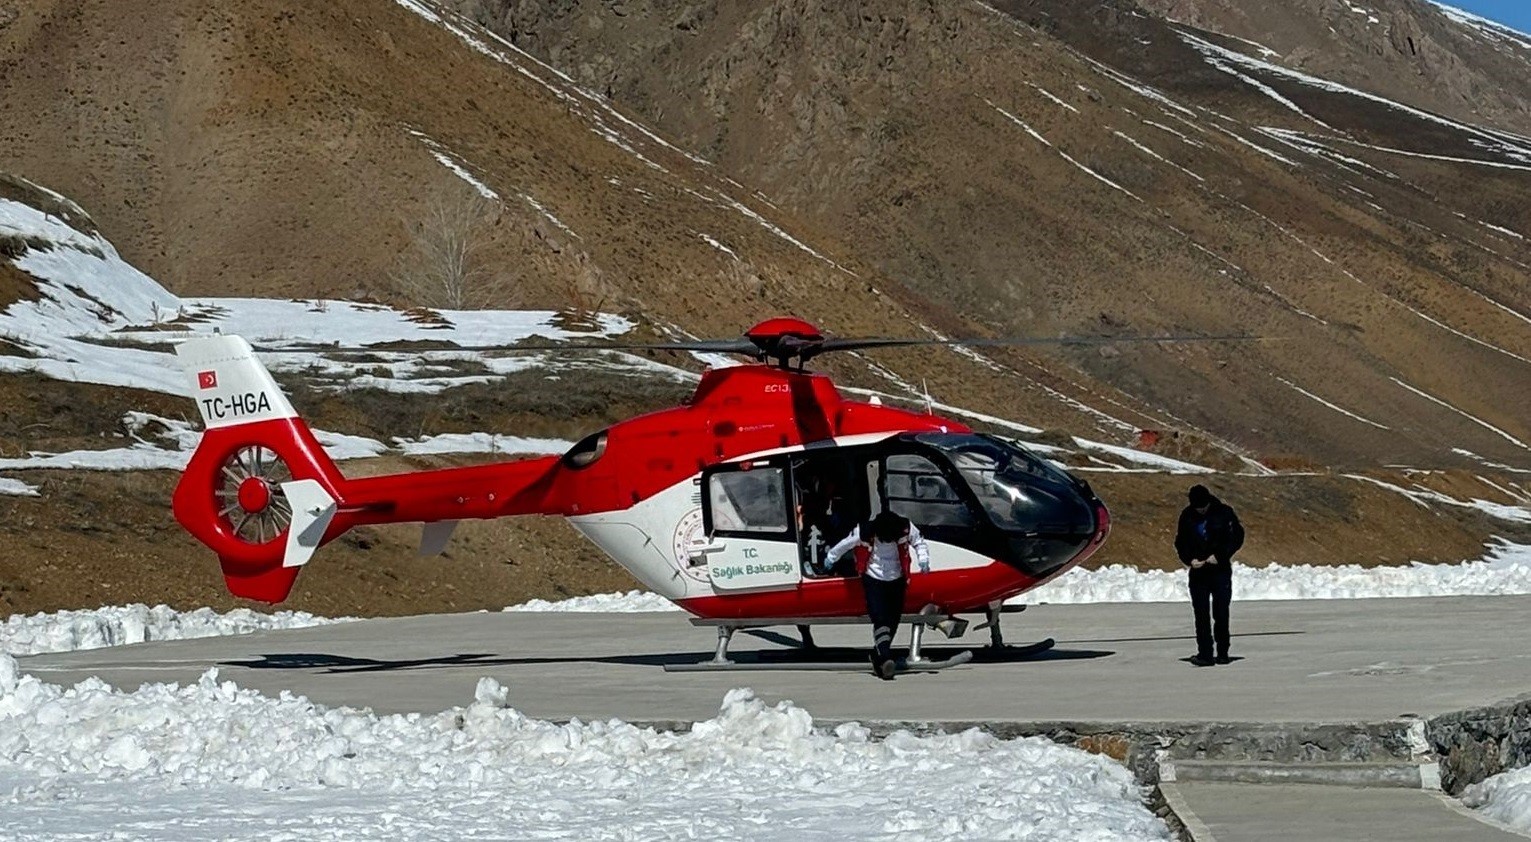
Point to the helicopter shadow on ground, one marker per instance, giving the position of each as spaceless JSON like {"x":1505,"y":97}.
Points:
{"x":982,"y":654}
{"x":1187,"y":636}
{"x":339,"y":664}
{"x":342,"y":664}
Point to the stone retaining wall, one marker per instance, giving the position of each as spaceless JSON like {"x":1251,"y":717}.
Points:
{"x":1482,"y":742}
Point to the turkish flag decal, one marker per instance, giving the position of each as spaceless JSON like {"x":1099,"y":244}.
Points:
{"x":207,"y":380}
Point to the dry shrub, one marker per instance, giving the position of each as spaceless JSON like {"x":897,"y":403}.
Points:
{"x":444,"y":265}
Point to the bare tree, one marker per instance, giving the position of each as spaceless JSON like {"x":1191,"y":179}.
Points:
{"x":444,"y":265}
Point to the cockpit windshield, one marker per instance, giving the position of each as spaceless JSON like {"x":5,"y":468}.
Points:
{"x":1018,"y":490}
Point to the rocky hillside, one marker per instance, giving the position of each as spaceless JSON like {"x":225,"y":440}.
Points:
{"x":1414,"y":51}
{"x":1042,"y":167}
{"x":895,"y":168}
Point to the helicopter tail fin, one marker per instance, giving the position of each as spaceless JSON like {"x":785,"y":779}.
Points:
{"x":259,"y":491}
{"x":262,"y":493}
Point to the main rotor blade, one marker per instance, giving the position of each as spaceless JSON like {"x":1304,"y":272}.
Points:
{"x":857,"y":344}
{"x":790,"y":346}
{"x":717,"y":346}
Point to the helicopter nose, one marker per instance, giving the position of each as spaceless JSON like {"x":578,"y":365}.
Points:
{"x":1069,"y":523}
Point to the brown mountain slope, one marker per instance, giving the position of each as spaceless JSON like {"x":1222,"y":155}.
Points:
{"x":1408,"y":50}
{"x":280,"y":148}
{"x":1013,"y":163}
{"x":991,"y":176}
{"x":891,"y":168}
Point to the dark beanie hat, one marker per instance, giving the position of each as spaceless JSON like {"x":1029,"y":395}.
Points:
{"x":888,"y":526}
{"x":1199,"y":495}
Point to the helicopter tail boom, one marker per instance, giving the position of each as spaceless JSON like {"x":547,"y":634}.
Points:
{"x":261,"y":492}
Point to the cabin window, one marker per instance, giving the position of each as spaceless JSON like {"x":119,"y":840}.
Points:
{"x":918,"y":490}
{"x":749,"y":501}
{"x":1019,"y":491}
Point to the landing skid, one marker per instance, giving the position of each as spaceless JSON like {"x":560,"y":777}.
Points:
{"x":903,"y":665}
{"x":929,"y":616}
{"x":1003,"y":653}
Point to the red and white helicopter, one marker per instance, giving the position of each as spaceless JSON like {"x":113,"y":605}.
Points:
{"x":723,"y":505}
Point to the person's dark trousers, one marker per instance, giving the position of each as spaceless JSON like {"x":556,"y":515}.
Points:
{"x":1211,"y":591}
{"x":885,"y":605}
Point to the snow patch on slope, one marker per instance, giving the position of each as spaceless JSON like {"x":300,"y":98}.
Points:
{"x":1424,"y":497}
{"x":92,"y":301}
{"x":593,"y":108}
{"x":1495,"y":142}
{"x":1493,"y":30}
{"x":480,"y":443}
{"x":450,"y":161}
{"x":1469,"y":416}
{"x":16,"y":488}
{"x":1341,"y":410}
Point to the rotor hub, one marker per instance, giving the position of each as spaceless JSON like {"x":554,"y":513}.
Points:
{"x":772,"y":330}
{"x":254,"y":495}
{"x":251,"y":504}
{"x":784,"y":338}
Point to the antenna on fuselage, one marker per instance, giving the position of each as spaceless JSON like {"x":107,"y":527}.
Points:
{"x":929,"y":410}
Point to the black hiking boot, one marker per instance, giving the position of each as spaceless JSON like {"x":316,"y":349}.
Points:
{"x":1200,"y":661}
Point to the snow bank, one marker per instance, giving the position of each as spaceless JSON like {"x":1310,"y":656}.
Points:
{"x":67,"y":631}
{"x":170,"y":762}
{"x":631,"y":602}
{"x":1505,"y":570}
{"x":1505,"y":797}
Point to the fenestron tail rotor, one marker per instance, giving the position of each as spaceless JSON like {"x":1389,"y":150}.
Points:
{"x":250,"y":497}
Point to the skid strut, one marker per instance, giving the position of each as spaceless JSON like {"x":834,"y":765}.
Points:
{"x":725,"y":634}
{"x":917,"y":633}
{"x":991,"y":615}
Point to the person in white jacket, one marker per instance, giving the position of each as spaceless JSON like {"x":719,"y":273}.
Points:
{"x":886,"y":549}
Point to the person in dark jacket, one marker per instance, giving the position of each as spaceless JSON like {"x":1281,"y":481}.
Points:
{"x":1208,"y":536}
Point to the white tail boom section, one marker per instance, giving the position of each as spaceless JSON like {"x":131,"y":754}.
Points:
{"x":229,"y":384}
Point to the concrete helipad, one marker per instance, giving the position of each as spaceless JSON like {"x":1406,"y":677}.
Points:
{"x":1436,"y":691}
{"x":1314,"y":662}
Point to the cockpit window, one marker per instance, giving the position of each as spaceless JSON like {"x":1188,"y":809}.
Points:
{"x":1018,"y":490}
{"x":918,"y":490}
